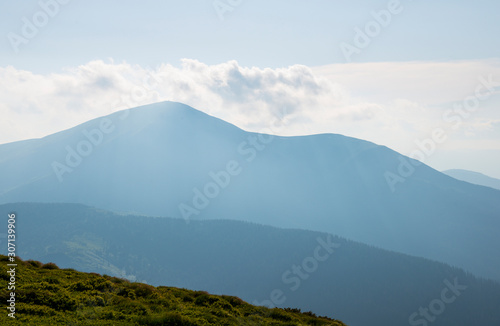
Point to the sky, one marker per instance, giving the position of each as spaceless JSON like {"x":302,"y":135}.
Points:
{"x":420,"y":77}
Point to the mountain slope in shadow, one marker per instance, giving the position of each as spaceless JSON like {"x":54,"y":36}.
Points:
{"x":313,"y":271}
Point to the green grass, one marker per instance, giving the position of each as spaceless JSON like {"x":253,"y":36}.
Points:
{"x":47,"y":295}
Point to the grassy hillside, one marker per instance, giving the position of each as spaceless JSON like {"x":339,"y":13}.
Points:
{"x":47,"y":295}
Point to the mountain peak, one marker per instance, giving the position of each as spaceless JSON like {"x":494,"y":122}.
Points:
{"x":165,"y":109}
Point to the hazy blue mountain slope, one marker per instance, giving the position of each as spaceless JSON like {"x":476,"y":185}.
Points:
{"x":360,"y":284}
{"x":159,"y":159}
{"x":474,"y":178}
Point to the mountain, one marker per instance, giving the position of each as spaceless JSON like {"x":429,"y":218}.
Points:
{"x":263,"y":265}
{"x":168,"y":159}
{"x":474,"y":178}
{"x":48,"y":295}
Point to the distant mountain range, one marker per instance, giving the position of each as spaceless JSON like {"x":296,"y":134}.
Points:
{"x":313,"y":271}
{"x":474,"y":178}
{"x":168,"y":159}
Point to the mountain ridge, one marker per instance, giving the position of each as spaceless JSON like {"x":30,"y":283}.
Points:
{"x":184,"y":163}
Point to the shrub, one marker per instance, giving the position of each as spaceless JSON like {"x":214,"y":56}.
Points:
{"x":128,"y":306}
{"x":4,"y":295}
{"x":292,"y":310}
{"x":143,"y":290}
{"x":52,"y":280}
{"x":310,"y":314}
{"x":49,"y":295}
{"x":35,"y":310}
{"x":279,"y":315}
{"x":81,"y":286}
{"x":186,"y":298}
{"x":113,"y":315}
{"x":35,"y":263}
{"x":233,"y":301}
{"x":127,"y":293}
{"x":50,"y":266}
{"x":171,"y":319}
{"x":102,"y":285}
{"x":204,"y":300}
{"x":96,"y":301}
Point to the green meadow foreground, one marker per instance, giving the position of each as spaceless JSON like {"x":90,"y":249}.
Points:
{"x":47,"y":295}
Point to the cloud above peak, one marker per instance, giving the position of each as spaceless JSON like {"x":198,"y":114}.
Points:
{"x":247,"y":94}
